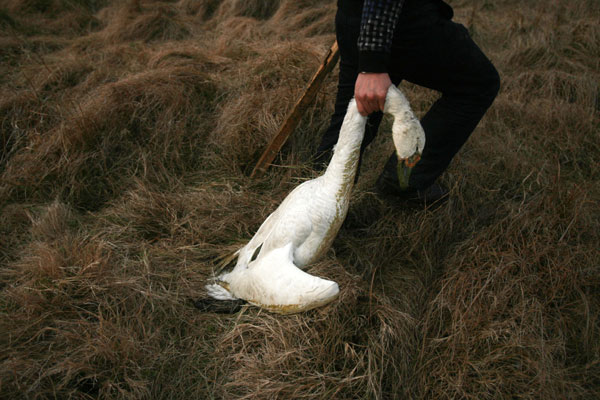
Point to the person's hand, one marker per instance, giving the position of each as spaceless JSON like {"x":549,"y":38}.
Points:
{"x":370,"y":91}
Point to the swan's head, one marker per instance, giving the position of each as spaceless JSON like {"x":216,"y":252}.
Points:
{"x":409,"y":140}
{"x":407,"y":132}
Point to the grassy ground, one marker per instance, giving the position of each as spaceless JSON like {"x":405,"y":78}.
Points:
{"x":127,"y":133}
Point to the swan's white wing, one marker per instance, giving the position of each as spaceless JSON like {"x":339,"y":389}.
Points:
{"x":254,"y":246}
{"x":275,"y":283}
{"x":290,"y":222}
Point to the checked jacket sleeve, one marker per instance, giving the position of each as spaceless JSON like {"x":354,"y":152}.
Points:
{"x":379,"y":18}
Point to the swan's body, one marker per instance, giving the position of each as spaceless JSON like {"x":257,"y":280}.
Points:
{"x":267,"y":272}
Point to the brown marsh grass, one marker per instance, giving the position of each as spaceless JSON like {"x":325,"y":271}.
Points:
{"x":128,"y":130}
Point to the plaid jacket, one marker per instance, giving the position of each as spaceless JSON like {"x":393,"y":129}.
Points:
{"x":379,"y":18}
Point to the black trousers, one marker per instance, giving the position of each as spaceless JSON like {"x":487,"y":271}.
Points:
{"x":429,"y":50}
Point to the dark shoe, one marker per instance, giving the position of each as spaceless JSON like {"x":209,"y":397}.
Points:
{"x":434,"y":195}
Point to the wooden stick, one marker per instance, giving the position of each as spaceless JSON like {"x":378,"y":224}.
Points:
{"x":295,"y":115}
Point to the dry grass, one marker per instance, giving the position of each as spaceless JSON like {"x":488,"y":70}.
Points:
{"x":127,"y":132}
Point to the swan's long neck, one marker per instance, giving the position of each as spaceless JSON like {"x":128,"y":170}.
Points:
{"x":342,"y":168}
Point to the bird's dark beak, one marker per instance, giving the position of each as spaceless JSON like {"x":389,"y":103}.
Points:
{"x":405,"y":166}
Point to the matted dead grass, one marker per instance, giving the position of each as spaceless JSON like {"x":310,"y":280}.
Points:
{"x":127,"y":133}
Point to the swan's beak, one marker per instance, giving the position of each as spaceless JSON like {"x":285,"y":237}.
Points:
{"x":405,"y":166}
{"x":411,"y":161}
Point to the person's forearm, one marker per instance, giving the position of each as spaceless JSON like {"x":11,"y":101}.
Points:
{"x":379,"y":19}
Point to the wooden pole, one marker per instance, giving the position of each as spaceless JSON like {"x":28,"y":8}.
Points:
{"x":295,"y":115}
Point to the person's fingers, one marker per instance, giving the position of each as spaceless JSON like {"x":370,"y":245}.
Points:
{"x":370,"y":92}
{"x":381,"y":101}
{"x":366,"y":107}
{"x":373,"y":106}
{"x":361,"y":108}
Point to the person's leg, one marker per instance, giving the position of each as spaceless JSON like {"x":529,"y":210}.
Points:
{"x":443,"y":57}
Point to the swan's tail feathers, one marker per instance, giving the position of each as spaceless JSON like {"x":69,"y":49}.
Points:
{"x":219,"y":290}
{"x":226,"y":261}
{"x":276,"y":284}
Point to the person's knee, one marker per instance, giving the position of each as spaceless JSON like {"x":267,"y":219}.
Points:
{"x":479,"y":93}
{"x":491,"y":85}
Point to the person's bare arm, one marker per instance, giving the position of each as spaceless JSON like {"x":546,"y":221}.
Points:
{"x":370,"y":91}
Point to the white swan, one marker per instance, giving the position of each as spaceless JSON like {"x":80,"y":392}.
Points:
{"x":267,"y":272}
